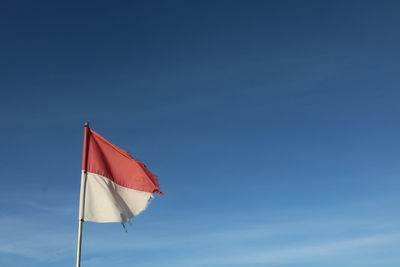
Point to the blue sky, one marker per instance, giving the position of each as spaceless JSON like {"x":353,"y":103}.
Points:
{"x":273,"y":127}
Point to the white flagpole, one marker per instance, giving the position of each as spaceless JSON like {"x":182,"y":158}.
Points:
{"x":82,"y":194}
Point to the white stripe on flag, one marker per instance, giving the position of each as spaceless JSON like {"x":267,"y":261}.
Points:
{"x":106,"y":201}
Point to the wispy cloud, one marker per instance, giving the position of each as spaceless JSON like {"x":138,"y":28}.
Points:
{"x":299,"y":253}
{"x":47,"y":234}
{"x":246,"y":244}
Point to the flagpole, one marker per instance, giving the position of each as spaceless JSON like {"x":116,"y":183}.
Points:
{"x":82,"y":193}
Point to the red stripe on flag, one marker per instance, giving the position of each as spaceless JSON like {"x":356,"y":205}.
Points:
{"x":108,"y":160}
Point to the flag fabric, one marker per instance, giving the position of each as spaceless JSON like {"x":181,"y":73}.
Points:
{"x":117,"y":186}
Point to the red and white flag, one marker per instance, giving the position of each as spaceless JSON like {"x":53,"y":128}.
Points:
{"x":117,"y":187}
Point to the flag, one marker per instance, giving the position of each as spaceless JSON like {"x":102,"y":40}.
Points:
{"x":116,"y":186}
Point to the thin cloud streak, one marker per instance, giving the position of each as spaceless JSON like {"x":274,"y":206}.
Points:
{"x":36,"y":241}
{"x":300,"y":253}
